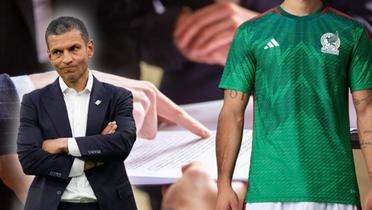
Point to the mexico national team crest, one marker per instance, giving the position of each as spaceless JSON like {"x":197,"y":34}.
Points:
{"x":330,"y":43}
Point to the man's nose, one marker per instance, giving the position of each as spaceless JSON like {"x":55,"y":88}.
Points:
{"x":67,"y":57}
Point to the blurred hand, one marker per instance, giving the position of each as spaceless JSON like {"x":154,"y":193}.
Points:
{"x":149,"y":104}
{"x":368,"y":204}
{"x":12,"y":175}
{"x":205,"y":35}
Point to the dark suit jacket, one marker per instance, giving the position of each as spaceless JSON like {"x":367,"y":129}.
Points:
{"x":44,"y":116}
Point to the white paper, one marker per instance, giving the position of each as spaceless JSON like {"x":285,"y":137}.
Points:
{"x":159,"y":161}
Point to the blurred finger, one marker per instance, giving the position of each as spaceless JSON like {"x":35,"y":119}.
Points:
{"x":208,"y":32}
{"x":164,"y":189}
{"x":169,"y":110}
{"x":206,"y":15}
{"x":113,"y":128}
{"x":189,"y":28}
{"x":145,"y":113}
{"x":219,"y":55}
{"x":219,"y":40}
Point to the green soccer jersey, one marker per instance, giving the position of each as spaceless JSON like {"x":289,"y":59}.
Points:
{"x":299,"y":70}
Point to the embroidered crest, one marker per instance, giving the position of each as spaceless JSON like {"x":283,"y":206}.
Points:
{"x":330,"y":43}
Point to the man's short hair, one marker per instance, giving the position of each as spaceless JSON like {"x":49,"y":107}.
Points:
{"x":65,"y":24}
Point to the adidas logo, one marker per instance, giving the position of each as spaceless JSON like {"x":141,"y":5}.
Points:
{"x":272,"y":43}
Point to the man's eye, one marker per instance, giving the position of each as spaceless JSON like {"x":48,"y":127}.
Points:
{"x":56,"y":52}
{"x":74,"y":48}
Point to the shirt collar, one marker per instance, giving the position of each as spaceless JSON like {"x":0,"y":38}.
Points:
{"x":88,"y":86}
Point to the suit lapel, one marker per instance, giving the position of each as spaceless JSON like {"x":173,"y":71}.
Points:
{"x":98,"y":107}
{"x":56,"y":108}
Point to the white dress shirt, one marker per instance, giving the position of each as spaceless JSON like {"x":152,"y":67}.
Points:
{"x":77,"y":103}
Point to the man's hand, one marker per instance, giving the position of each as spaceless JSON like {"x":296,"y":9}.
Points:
{"x":60,"y":145}
{"x":55,"y":146}
{"x":205,"y":35}
{"x":88,"y":165}
{"x":110,"y":128}
{"x":227,"y":199}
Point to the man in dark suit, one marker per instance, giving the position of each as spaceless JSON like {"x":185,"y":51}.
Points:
{"x":60,"y":140}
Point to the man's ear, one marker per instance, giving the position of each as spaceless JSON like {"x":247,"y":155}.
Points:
{"x":90,"y":48}
{"x":48,"y":51}
{"x":49,"y":55}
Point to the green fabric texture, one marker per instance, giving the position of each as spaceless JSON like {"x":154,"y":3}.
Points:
{"x":299,"y":70}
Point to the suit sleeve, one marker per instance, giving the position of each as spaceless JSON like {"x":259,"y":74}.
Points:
{"x":34,"y":160}
{"x":112,"y":147}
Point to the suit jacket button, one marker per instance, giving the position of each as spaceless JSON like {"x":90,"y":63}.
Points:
{"x":59,"y":192}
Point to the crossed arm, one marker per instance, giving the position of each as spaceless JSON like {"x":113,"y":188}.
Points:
{"x":363,"y":105}
{"x":51,"y":158}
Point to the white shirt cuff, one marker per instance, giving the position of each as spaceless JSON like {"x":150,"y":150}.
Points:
{"x":73,"y":148}
{"x":77,"y":168}
{"x":23,"y":85}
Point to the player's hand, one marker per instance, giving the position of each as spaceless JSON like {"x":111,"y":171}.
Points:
{"x":368,"y":204}
{"x":55,"y":146}
{"x":110,"y":128}
{"x":227,"y":199}
{"x":199,"y":34}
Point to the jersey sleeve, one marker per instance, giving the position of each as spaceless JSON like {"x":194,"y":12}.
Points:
{"x":239,"y":70}
{"x":360,"y":73}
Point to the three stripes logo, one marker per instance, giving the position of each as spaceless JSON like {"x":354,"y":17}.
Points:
{"x":271,"y":44}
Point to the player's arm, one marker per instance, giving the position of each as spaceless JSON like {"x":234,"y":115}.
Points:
{"x":229,"y":137}
{"x":363,"y":105}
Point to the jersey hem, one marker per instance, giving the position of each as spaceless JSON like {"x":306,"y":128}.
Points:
{"x":225,"y":87}
{"x":300,"y":199}
{"x":361,"y":87}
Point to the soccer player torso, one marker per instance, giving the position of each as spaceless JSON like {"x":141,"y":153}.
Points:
{"x":301,"y":75}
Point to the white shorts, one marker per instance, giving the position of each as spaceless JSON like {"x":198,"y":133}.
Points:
{"x":299,"y":206}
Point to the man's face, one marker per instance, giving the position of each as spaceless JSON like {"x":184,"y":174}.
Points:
{"x":69,"y":53}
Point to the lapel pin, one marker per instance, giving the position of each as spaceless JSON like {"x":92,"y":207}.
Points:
{"x":98,"y":102}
